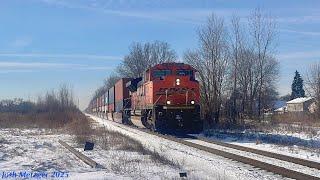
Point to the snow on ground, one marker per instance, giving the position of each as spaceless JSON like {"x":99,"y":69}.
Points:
{"x":198,"y":164}
{"x":130,"y":165}
{"x":299,"y":135}
{"x":38,"y":151}
{"x":275,"y":137}
{"x":298,"y":145}
{"x":294,"y":151}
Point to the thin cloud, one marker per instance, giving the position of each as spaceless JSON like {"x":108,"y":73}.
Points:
{"x":193,"y":16}
{"x":74,"y":56}
{"x":97,"y":68}
{"x":302,"y":55}
{"x":315,"y":18}
{"x":184,"y":15}
{"x":10,"y":67}
{"x":34,"y":65}
{"x":15,"y":71}
{"x":311,"y":33}
{"x":21,"y":42}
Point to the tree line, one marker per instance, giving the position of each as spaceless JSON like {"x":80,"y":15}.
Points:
{"x":237,"y":68}
{"x":52,"y":101}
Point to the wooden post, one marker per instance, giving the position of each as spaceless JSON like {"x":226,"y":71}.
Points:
{"x":82,"y":157}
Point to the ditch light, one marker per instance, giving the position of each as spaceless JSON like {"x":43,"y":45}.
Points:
{"x":178,"y":82}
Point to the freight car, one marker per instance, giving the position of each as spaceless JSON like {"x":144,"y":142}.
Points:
{"x":166,"y":98}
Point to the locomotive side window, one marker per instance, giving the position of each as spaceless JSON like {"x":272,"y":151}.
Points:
{"x":183,"y":72}
{"x":160,"y":73}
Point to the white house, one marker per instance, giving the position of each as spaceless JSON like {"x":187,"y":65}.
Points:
{"x":299,"y":104}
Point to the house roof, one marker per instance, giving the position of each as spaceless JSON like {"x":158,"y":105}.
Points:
{"x":282,"y":109}
{"x":299,"y":100}
{"x":279,"y":104}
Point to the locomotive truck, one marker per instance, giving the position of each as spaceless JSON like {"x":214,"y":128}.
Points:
{"x":166,"y":98}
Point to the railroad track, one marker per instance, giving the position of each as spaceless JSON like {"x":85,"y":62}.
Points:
{"x":285,"y":172}
{"x":253,"y":162}
{"x":303,"y":162}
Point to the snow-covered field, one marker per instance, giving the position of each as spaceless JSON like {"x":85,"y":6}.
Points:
{"x":31,"y":153}
{"x":38,"y":151}
{"x":198,"y":164}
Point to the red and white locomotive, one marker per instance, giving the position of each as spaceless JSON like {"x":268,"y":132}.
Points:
{"x":166,"y":98}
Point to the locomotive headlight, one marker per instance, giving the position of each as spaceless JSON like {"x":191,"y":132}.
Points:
{"x":192,"y":102}
{"x":168,"y":102}
{"x":178,"y":82}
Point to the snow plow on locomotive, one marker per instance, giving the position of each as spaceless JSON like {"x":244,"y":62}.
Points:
{"x":165,"y":99}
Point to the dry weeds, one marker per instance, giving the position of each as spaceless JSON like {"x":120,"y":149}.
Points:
{"x":113,"y":140}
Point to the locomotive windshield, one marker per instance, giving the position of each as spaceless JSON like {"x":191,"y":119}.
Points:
{"x":161,"y":73}
{"x":184,"y":72}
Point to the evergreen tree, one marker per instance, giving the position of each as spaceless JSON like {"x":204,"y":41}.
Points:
{"x":297,"y":86}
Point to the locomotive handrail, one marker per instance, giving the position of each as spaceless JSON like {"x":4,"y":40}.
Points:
{"x":157,"y":100}
{"x":187,"y":93}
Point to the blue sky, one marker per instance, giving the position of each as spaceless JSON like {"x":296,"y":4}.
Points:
{"x":44,"y":43}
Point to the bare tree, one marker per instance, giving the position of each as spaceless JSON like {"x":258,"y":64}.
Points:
{"x":110,"y":81}
{"x":211,"y":59}
{"x":237,"y":42}
{"x":65,"y":97}
{"x":143,"y":56}
{"x":313,"y":84}
{"x":262,"y":30}
{"x":249,"y":82}
{"x":56,"y":101}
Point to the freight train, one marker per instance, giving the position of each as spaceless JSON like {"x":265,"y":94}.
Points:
{"x":166,"y":98}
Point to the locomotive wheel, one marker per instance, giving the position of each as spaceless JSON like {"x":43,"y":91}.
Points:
{"x":146,"y":119}
{"x":151,"y":120}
